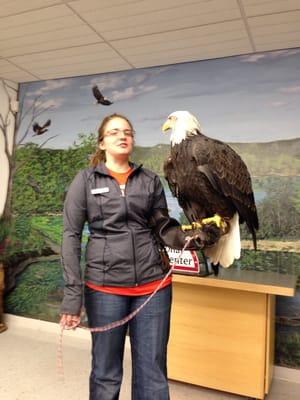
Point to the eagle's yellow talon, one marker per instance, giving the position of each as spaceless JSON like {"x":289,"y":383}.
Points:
{"x":186,"y":227}
{"x":196,"y":225}
{"x":192,"y":226}
{"x":216,"y":219}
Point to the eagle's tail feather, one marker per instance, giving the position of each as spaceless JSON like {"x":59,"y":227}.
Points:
{"x":254,"y":238}
{"x":228,"y":247}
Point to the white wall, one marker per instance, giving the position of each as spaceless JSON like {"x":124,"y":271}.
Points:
{"x":4,"y":169}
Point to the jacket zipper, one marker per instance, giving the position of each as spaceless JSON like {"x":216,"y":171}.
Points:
{"x":123,"y":195}
{"x":132,"y":241}
{"x":132,"y":238}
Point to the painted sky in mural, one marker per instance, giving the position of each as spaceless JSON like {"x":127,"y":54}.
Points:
{"x":252,"y":98}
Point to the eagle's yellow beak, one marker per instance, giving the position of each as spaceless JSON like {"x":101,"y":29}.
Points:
{"x":166,"y":125}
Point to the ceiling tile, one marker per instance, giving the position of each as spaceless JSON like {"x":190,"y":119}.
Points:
{"x":278,"y":42}
{"x":45,"y":46}
{"x":191,"y":54}
{"x":47,"y":41}
{"x":44,"y":30}
{"x":33,"y":17}
{"x":17,"y":6}
{"x":267,"y":29}
{"x":88,"y":69}
{"x":95,"y":11}
{"x":278,"y":30}
{"x":42,"y":27}
{"x":259,"y":7}
{"x":84,"y":65}
{"x":186,"y":38}
{"x":274,"y":19}
{"x":10,"y":71}
{"x":291,"y":44}
{"x":190,"y":57}
{"x":60,"y":57}
{"x":164,"y":19}
{"x":82,"y":6}
{"x":78,"y":60}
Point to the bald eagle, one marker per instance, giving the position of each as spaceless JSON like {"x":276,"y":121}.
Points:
{"x":99,"y":97}
{"x":40,"y":129}
{"x":212,"y":185}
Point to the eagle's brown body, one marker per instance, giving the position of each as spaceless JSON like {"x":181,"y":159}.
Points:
{"x":208,"y":177}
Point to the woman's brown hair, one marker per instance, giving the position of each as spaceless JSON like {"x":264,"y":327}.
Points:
{"x":99,"y":154}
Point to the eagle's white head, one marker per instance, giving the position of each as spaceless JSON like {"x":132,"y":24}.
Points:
{"x":183,"y":124}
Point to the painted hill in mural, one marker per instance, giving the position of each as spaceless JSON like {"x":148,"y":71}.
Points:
{"x":281,"y":157}
{"x":33,"y":193}
{"x":278,"y":158}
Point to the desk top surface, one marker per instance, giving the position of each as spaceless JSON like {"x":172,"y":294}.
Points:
{"x":253,"y":281}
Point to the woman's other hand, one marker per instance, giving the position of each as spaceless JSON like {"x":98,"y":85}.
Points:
{"x":68,"y":321}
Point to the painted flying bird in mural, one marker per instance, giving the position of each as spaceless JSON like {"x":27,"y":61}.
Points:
{"x":212,"y":185}
{"x":100,"y":98}
{"x":40,"y":129}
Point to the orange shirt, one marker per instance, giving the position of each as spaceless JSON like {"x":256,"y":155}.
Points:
{"x":139,"y":290}
{"x":121,"y":178}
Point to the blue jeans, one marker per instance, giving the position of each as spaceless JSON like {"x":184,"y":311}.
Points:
{"x":149,"y":334}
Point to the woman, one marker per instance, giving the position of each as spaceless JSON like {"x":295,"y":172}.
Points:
{"x":121,"y":202}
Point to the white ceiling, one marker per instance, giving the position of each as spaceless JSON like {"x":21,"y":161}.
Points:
{"x":45,"y":39}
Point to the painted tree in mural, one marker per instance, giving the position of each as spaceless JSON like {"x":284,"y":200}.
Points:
{"x":7,"y":119}
{"x":12,"y":115}
{"x":16,"y":113}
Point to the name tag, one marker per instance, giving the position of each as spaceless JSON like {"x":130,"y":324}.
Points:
{"x":100,"y":190}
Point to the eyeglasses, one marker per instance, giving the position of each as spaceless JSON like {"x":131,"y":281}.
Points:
{"x":116,"y":132}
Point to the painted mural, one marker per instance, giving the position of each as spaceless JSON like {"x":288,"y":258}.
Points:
{"x":250,"y":102}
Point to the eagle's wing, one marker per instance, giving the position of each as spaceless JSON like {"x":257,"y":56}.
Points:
{"x":96,"y":92}
{"x":106,"y":102}
{"x":229,"y":175}
{"x":35,"y":127}
{"x":169,"y":173}
{"x":187,"y":207}
{"x":48,"y":123}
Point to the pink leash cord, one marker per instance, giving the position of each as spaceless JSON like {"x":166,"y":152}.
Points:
{"x":114,"y":324}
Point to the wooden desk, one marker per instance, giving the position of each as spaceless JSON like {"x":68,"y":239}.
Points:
{"x":222,"y":330}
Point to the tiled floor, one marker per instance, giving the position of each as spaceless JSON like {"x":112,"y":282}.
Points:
{"x":28,"y":369}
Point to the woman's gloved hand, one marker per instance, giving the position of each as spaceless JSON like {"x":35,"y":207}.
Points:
{"x":206,"y":236}
{"x":168,"y":231}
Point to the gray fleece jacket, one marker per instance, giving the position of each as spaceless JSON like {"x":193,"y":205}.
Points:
{"x":125,"y":228}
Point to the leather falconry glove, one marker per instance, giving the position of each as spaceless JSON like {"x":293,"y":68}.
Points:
{"x":168,"y":232}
